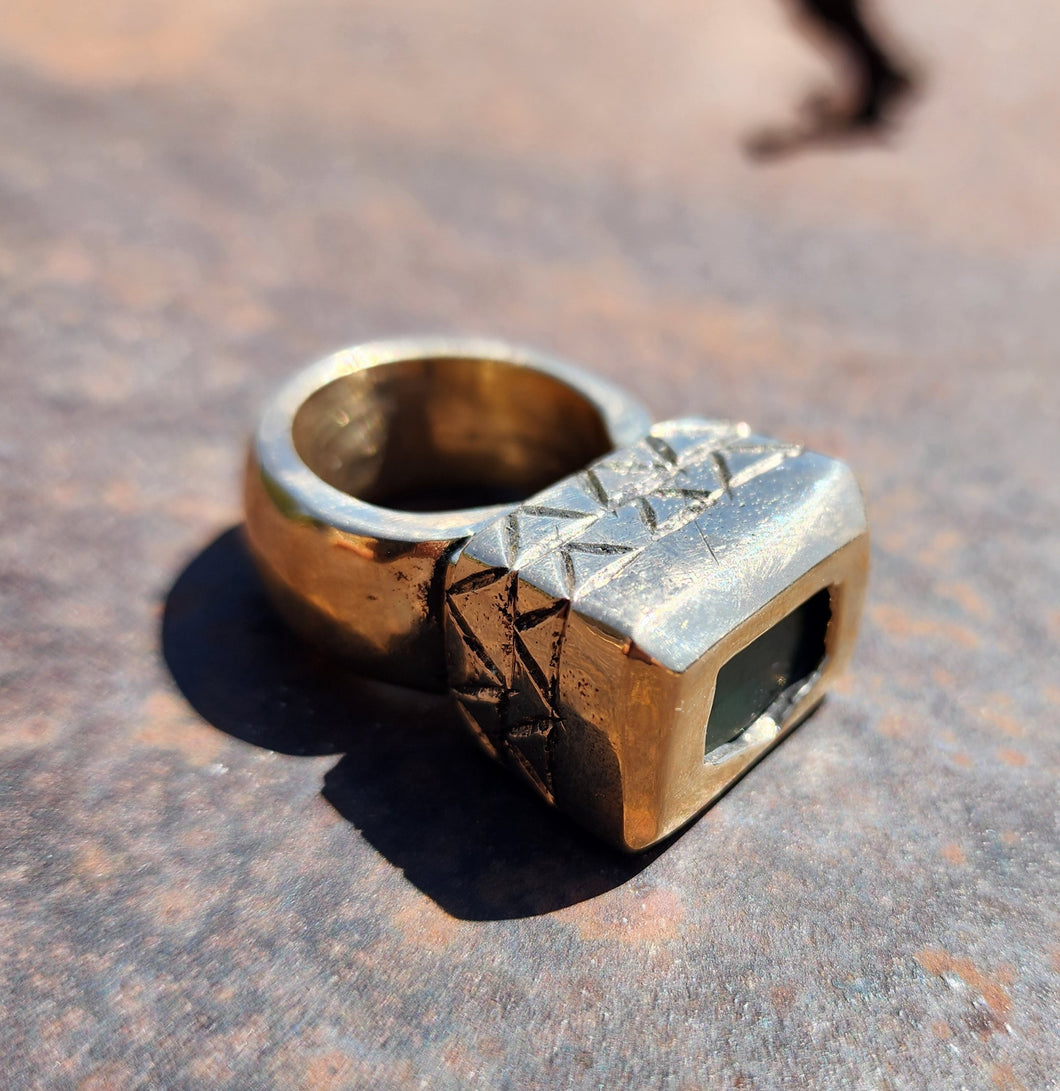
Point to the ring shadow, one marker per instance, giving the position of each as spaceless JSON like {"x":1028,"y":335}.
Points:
{"x":410,"y":779}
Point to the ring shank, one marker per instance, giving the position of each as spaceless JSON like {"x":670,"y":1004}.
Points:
{"x":371,"y":467}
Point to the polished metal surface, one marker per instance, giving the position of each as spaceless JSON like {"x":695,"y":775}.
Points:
{"x":587,"y":628}
{"x":352,"y":446}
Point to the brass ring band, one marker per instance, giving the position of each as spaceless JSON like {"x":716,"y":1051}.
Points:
{"x":349,"y":445}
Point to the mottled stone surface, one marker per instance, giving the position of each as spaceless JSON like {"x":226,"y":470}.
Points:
{"x":223,"y":865}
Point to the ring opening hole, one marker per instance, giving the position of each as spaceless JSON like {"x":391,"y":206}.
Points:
{"x":441,"y":433}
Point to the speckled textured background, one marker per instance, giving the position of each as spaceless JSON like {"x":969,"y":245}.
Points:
{"x":224,"y":865}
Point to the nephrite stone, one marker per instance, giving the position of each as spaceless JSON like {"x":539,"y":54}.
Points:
{"x":633,"y":638}
{"x":782,"y":658}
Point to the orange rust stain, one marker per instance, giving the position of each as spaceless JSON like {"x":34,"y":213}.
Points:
{"x":943,"y":678}
{"x":893,"y":725}
{"x":1012,"y":757}
{"x":423,"y":924}
{"x":941,"y":1029}
{"x":899,"y":504}
{"x":169,"y":724}
{"x":107,"y":1076}
{"x":940,"y":546}
{"x":140,"y":280}
{"x":32,"y":731}
{"x":893,"y":539}
{"x":65,"y":495}
{"x":782,"y":997}
{"x":954,"y":854}
{"x":961,"y":759}
{"x":999,"y":713}
{"x":178,"y":904}
{"x":466,"y":1060}
{"x":252,"y":1035}
{"x":992,"y":989}
{"x":120,"y":43}
{"x":1010,"y":837}
{"x":69,"y":262}
{"x":211,"y":1070}
{"x":1003,"y":1077}
{"x":455,"y":1056}
{"x":121,"y":496}
{"x":967,"y":598}
{"x":109,"y":385}
{"x":199,"y":508}
{"x":902,"y":625}
{"x":93,"y":862}
{"x":632,"y":918}
{"x":333,"y":1069}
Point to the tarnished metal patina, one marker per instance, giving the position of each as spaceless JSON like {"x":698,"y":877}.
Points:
{"x":633,"y":617}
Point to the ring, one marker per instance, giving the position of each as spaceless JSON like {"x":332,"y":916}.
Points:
{"x":629,"y":617}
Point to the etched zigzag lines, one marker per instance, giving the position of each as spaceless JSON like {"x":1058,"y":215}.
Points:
{"x":530,"y":745}
{"x":667,"y":489}
{"x":591,"y":564}
{"x":662,"y":449}
{"x":476,"y":605}
{"x":533,"y":707}
{"x":507,"y":670}
{"x":508,"y":621}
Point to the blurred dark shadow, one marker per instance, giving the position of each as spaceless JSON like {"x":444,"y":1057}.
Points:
{"x":412,"y":781}
{"x":875,"y":84}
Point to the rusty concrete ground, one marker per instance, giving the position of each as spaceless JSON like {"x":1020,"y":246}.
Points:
{"x":222,"y":864}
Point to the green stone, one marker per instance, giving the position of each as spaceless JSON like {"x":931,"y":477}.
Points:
{"x":781,"y":659}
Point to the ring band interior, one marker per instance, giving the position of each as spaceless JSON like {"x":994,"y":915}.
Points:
{"x":441,"y":433}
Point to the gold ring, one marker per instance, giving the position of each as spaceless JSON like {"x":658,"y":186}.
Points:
{"x":630,"y":617}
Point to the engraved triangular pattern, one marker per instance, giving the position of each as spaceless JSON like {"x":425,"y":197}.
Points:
{"x":510,"y":624}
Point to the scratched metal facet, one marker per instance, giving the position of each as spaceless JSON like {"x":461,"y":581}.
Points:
{"x":586,"y":629}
